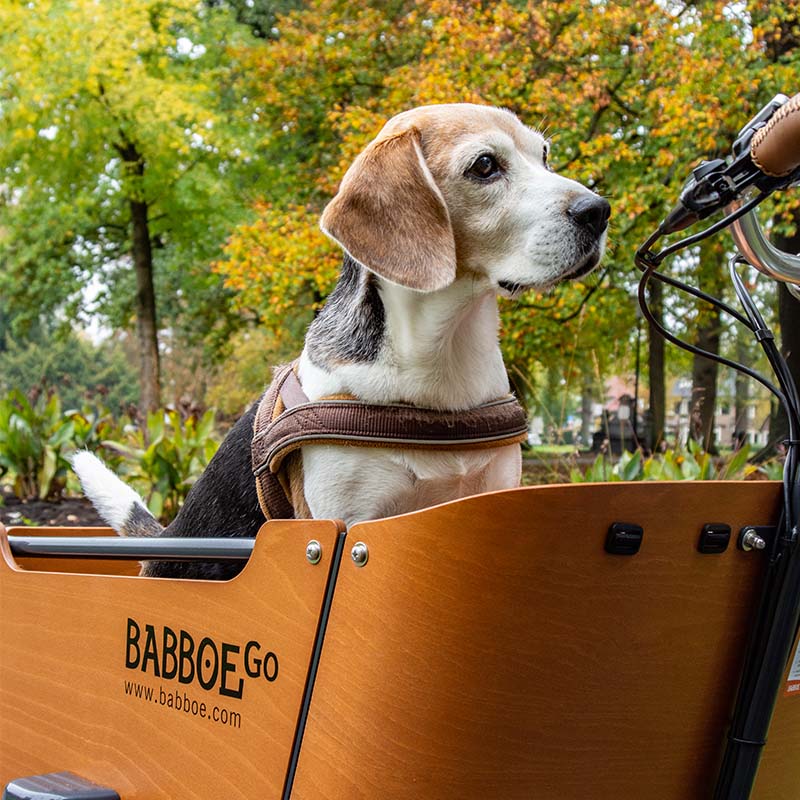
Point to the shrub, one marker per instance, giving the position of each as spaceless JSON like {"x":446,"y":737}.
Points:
{"x":77,"y":369}
{"x":164,"y":460}
{"x":37,"y":437}
{"x":678,"y":464}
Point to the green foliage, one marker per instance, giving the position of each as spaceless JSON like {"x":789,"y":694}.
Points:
{"x":79,"y":370}
{"x":162,"y":461}
{"x":679,"y":464}
{"x":240,"y":379}
{"x":226,"y":101}
{"x":37,"y":438}
{"x":259,"y":15}
{"x":772,"y":469}
{"x":165,"y":459}
{"x":107,"y":104}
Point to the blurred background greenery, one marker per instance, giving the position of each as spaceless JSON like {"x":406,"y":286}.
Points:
{"x":163,"y":165}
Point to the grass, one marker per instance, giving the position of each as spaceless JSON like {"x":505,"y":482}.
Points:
{"x":550,"y":450}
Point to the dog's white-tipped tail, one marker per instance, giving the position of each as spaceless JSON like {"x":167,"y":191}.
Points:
{"x":116,"y":503}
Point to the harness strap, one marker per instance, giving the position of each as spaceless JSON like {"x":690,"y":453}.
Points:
{"x":273,"y":500}
{"x":286,"y":420}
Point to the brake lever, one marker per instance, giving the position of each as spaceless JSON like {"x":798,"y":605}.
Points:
{"x":715,"y":184}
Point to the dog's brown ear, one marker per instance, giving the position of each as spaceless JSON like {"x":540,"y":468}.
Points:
{"x":390,"y":216}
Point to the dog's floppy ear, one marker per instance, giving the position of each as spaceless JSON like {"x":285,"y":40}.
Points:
{"x":390,"y":216}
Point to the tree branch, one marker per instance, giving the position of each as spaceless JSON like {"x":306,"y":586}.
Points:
{"x":578,"y":309}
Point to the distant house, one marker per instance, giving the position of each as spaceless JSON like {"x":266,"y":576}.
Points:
{"x":614,"y":416}
{"x":754,"y":426}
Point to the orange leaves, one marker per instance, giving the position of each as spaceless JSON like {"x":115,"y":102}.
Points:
{"x":282,"y":265}
{"x":633,"y":94}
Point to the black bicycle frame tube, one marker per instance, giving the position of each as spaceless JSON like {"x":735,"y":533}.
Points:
{"x":766,"y":657}
{"x":777,"y":618}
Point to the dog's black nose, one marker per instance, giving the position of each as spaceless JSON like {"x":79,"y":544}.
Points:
{"x":592,"y":212}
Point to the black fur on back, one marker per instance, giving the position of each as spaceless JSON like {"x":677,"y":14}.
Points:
{"x":222,"y":503}
{"x":349,"y":328}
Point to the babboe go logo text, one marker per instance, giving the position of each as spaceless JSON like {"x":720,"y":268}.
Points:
{"x":171,"y":655}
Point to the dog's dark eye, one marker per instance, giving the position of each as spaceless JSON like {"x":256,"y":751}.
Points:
{"x":545,"y":154}
{"x":484,"y":167}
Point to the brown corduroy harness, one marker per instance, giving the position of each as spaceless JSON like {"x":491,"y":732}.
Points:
{"x":287,"y":420}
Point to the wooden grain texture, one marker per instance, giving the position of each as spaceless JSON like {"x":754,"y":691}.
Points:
{"x":68,"y":702}
{"x":779,"y":772}
{"x":85,"y":566}
{"x":490,"y":648}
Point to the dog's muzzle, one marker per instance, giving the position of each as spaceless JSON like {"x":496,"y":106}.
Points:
{"x":590,"y":213}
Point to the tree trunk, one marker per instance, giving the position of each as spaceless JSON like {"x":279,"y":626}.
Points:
{"x":789,"y":316}
{"x":146,"y":327}
{"x":704,"y":370}
{"x":141,"y":248}
{"x":655,"y":362}
{"x":704,"y":384}
{"x":587,"y":397}
{"x":741,"y":391}
{"x":779,"y":37}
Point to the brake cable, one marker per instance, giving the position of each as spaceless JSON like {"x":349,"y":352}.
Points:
{"x":712,"y":187}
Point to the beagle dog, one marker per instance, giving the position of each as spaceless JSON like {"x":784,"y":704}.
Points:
{"x":449,"y":207}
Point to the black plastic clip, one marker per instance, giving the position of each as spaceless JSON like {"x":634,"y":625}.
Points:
{"x":714,"y":538}
{"x":763,"y":334}
{"x":624,"y":539}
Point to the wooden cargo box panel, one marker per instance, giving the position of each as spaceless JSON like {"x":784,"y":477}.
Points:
{"x":490,"y":648}
{"x":162,"y":688}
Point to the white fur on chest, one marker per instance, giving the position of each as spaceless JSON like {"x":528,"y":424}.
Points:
{"x":440,"y":351}
{"x":356,"y":484}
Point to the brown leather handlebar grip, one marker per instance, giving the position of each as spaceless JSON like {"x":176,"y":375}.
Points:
{"x":775,"y":148}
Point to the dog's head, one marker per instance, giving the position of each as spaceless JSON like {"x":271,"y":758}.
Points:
{"x":458,"y":189}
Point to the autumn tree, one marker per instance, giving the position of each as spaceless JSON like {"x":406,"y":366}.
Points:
{"x":126,"y":153}
{"x":759,"y":54}
{"x":368,"y":64}
{"x":709,"y":276}
{"x":633,"y":95}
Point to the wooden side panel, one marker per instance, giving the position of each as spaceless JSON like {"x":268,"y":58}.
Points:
{"x":490,"y":648}
{"x":779,"y":772}
{"x":87,"y":686}
{"x":85,"y":566}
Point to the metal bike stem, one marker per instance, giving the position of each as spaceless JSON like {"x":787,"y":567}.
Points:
{"x":767,"y":653}
{"x":759,"y":252}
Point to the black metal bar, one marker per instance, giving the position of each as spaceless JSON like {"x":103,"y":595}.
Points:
{"x":767,"y":655}
{"x":132,"y":549}
{"x":316,"y":655}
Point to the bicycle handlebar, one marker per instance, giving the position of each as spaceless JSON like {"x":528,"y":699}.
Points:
{"x":766,"y":155}
{"x":765,"y":158}
{"x":775,"y":148}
